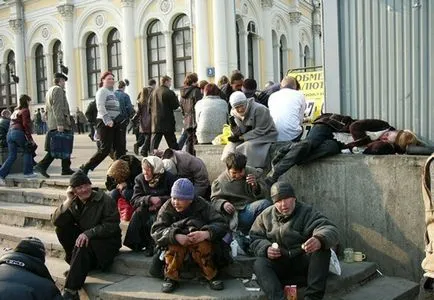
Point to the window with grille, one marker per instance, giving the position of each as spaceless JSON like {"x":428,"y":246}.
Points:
{"x":41,"y":74}
{"x":93,"y":64}
{"x":156,"y":51}
{"x":114,"y":54}
{"x":181,"y":40}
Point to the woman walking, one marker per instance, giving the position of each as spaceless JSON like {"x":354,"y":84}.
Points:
{"x":20,"y":135}
{"x":108,"y":124}
{"x":144,"y":119}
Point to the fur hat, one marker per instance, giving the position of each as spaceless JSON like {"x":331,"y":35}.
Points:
{"x":182,"y":189}
{"x":237,"y":98}
{"x":31,"y":246}
{"x":79,"y":178}
{"x":281,"y":190}
{"x":119,"y":171}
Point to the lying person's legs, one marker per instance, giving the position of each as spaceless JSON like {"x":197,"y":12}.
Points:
{"x":248,"y":215}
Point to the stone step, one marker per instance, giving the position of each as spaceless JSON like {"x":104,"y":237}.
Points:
{"x":32,"y":195}
{"x":26,"y":214}
{"x":55,"y":182}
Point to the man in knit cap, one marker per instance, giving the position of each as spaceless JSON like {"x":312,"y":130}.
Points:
{"x":188,"y":224}
{"x":291,"y":238}
{"x":23,"y":274}
{"x":87,"y":226}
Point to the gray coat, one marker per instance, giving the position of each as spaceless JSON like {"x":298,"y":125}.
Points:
{"x":291,"y":231}
{"x":256,"y":141}
{"x":211,"y":115}
{"x":57,"y":109}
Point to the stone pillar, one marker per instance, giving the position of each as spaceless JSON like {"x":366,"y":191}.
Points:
{"x":49,"y":65}
{"x":317,"y":47}
{"x":276,"y":61}
{"x":169,"y":53}
{"x":67,"y":13}
{"x":202,"y":41}
{"x":243,"y":52}
{"x":268,"y":42}
{"x":221,"y":61}
{"x":20,"y":60}
{"x":128,"y":49}
{"x":231,"y":35}
{"x":294,"y":18}
{"x":103,"y":56}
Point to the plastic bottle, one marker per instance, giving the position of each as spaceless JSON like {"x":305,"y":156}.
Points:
{"x":234,"y":248}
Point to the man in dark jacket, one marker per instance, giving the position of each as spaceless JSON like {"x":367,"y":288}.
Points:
{"x":127,"y":111}
{"x":5,"y":120}
{"x":163,"y":103}
{"x":291,"y":238}
{"x":87,"y":226}
{"x":188,"y":224}
{"x":23,"y":274}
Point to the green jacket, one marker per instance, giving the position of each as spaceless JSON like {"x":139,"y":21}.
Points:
{"x":99,"y":218}
{"x":291,"y":231}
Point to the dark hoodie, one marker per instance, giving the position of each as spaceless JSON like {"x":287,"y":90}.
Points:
{"x":189,"y":96}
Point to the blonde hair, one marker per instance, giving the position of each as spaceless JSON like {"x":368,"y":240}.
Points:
{"x":405,"y":138}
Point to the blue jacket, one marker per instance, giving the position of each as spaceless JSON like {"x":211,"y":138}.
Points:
{"x":125,"y":105}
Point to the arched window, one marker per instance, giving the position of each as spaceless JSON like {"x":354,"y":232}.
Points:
{"x":238,"y":46}
{"x":181,"y":41}
{"x":57,"y":56}
{"x":114,"y":53}
{"x":251,"y":30}
{"x":281,"y":59}
{"x":41,"y":73}
{"x":93,"y":64}
{"x":306,"y":56}
{"x":301,"y":54}
{"x":8,"y":88}
{"x":156,"y":51}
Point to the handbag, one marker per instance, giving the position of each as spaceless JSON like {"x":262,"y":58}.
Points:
{"x":125,"y":209}
{"x":30,"y":147}
{"x":61,"y":144}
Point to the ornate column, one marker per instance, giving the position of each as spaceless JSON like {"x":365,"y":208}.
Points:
{"x":231,"y":35}
{"x":276,"y":61}
{"x":169,"y":53}
{"x":67,"y":13}
{"x":103,"y":56}
{"x":268,"y":41}
{"x":20,"y":61}
{"x":294,"y":18}
{"x":49,"y":60}
{"x":202,"y":41}
{"x":129,"y":49}
{"x":221,"y":61}
{"x":243,"y":52}
{"x":317,"y":45}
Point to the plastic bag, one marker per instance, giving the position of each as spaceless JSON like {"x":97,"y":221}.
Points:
{"x":125,"y":209}
{"x":334,"y":266}
{"x":222,"y":139}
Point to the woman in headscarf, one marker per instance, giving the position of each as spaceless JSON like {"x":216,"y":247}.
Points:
{"x":151,"y":190}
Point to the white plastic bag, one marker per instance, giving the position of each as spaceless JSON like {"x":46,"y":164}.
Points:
{"x":334,"y":266}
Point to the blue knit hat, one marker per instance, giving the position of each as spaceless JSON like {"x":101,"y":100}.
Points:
{"x":182,"y":189}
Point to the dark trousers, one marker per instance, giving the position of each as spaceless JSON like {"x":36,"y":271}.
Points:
{"x":319,"y":143}
{"x":99,"y":254}
{"x":80,"y":127}
{"x":138,"y":233}
{"x":123,"y":137}
{"x":272,"y":275}
{"x":144,"y":141}
{"x":168,"y":136}
{"x":48,"y":159}
{"x":110,"y":138}
{"x":188,"y":137}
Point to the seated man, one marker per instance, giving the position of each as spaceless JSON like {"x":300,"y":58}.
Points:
{"x":252,"y":128}
{"x":188,"y":224}
{"x":23,"y":274}
{"x":291,"y":238}
{"x":184,"y":165}
{"x":238,"y":194}
{"x":87,"y":226}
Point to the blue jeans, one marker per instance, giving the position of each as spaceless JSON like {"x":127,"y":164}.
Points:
{"x":248,"y":214}
{"x":15,"y":139}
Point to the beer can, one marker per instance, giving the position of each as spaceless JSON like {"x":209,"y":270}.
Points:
{"x":290,"y":292}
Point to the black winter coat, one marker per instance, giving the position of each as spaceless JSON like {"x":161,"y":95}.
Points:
{"x":163,"y":103}
{"x":142,"y":190}
{"x":25,"y":277}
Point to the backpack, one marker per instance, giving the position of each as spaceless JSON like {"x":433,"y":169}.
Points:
{"x":91,"y":112}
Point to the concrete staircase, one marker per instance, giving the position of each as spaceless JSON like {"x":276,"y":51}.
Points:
{"x":26,"y":206}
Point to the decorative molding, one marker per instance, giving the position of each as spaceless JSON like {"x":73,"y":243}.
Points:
{"x":278,"y":25}
{"x":166,"y":6}
{"x":316,"y":29}
{"x":127,"y":3}
{"x":66,"y":11}
{"x":99,"y":20}
{"x":16,"y":25}
{"x":245,"y":9}
{"x":2,"y":43}
{"x":267,"y":3}
{"x":294,"y":17}
{"x":45,"y":33}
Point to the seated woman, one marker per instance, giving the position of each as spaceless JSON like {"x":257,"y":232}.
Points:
{"x":378,"y":137}
{"x":151,"y":190}
{"x":252,"y":128}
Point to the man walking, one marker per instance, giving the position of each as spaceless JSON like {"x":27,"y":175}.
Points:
{"x":57,"y":108}
{"x":163,"y":103}
{"x":127,"y":111}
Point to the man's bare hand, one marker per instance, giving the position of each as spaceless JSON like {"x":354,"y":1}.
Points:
{"x":273,"y":253}
{"x":182,"y":239}
{"x":60,"y":128}
{"x":198,"y":236}
{"x":82,"y":240}
{"x":311,"y":245}
{"x":229,"y":208}
{"x":251,"y":180}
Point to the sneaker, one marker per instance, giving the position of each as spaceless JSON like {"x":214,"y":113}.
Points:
{"x":40,"y":170}
{"x":2,"y":181}
{"x":31,"y":175}
{"x":216,"y":285}
{"x":169,"y":285}
{"x":68,"y":295}
{"x":68,"y":172}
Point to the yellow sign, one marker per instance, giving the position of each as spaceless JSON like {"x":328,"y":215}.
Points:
{"x":312,"y":85}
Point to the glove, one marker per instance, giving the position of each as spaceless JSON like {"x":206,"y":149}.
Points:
{"x":234,"y":139}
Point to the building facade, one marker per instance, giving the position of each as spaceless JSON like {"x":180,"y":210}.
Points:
{"x":140,"y":40}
